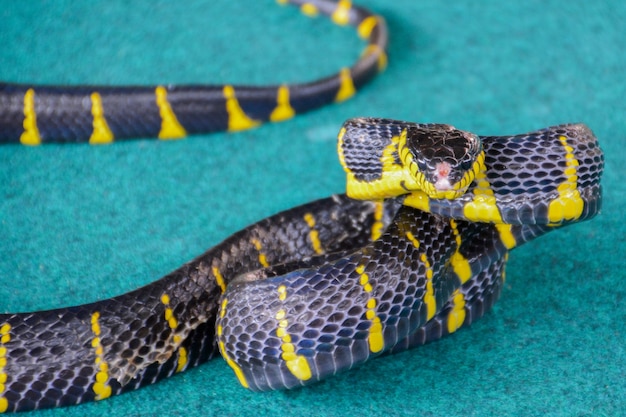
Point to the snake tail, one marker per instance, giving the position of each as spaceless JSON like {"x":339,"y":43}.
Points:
{"x":36,"y":114}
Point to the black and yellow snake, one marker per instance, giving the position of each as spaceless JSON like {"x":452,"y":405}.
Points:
{"x":416,"y":249}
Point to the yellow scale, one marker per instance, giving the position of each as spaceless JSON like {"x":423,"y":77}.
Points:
{"x":375,"y":339}
{"x":222,"y":348}
{"x":172,"y":322}
{"x":101,"y":386}
{"x":5,"y":337}
{"x":568,"y":205}
{"x":297,"y":364}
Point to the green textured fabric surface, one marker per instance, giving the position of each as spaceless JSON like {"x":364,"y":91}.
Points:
{"x":81,"y":223}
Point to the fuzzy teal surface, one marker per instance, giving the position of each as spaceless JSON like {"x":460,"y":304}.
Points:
{"x":81,"y":223}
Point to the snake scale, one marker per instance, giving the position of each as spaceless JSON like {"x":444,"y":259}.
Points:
{"x":414,"y":251}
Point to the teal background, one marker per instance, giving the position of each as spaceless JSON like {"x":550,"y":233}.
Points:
{"x":81,"y":223}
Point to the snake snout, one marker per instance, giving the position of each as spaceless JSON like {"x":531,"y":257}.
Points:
{"x":441,"y":176}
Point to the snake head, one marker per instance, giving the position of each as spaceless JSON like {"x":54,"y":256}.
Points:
{"x":443,"y":159}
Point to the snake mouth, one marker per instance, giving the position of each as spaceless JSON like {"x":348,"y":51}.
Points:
{"x":443,"y":185}
{"x":442,"y":177}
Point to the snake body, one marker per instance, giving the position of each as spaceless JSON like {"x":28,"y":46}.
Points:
{"x":33,"y":115}
{"x":416,"y":250}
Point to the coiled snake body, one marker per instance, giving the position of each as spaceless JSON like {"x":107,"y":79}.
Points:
{"x":326,"y":286}
{"x":438,"y":264}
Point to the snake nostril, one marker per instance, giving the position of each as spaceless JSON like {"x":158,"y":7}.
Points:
{"x":442,"y":170}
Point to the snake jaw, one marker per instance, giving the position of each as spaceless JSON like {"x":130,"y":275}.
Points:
{"x":441,"y":176}
{"x":443,"y":180}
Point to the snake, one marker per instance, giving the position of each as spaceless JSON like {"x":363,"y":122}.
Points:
{"x":415,"y":250}
{"x":324,"y":287}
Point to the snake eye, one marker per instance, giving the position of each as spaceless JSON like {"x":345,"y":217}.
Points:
{"x":474,"y":146}
{"x":466,"y":164}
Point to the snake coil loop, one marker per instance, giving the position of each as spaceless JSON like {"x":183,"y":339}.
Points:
{"x":436,"y":266}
